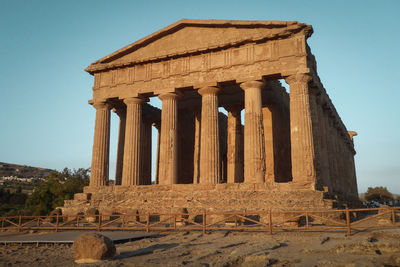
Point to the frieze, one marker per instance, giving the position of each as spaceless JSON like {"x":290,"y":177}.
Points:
{"x":244,"y":55}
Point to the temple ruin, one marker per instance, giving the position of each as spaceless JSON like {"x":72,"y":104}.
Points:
{"x":292,"y":151}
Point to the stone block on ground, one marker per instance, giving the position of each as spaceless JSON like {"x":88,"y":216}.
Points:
{"x":93,"y":247}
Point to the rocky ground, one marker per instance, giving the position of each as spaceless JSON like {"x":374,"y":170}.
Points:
{"x":225,"y":248}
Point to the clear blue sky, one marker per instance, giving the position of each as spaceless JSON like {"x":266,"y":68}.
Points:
{"x":45,"y":46}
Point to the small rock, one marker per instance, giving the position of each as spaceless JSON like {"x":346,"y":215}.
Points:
{"x":325,"y":239}
{"x":186,"y":253}
{"x":258,"y":260}
{"x":372,"y":240}
{"x":93,"y":247}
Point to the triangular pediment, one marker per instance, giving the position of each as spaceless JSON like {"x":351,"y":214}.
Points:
{"x":194,"y":36}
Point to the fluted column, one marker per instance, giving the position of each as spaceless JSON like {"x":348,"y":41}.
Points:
{"x":197,"y":148}
{"x":121,"y":112}
{"x":352,"y":167}
{"x":254,"y":148}
{"x":132,"y":150}
{"x":101,"y":145}
{"x":324,"y":135}
{"x":235,"y":147}
{"x":333,"y":167}
{"x":269,"y":139}
{"x":169,"y":139}
{"x":209,"y":152}
{"x":301,"y":130}
{"x":145,"y":158}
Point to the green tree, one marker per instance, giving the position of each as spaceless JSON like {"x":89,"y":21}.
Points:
{"x":57,"y":187}
{"x":378,"y":194}
{"x":12,"y":203}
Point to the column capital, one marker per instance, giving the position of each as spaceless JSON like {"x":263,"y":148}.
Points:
{"x":101,"y":105}
{"x":209,"y":90}
{"x":298,"y":78}
{"x":156,"y":124}
{"x":170,"y":95}
{"x":120,"y":111}
{"x":135,"y":100}
{"x":252,"y":84}
{"x":352,"y":134}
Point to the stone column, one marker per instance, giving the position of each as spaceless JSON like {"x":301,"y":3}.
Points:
{"x":197,"y":148}
{"x":352,"y":167}
{"x":268,"y":124}
{"x":209,"y":152}
{"x":145,"y":159}
{"x":169,"y":139}
{"x":121,"y":112}
{"x":316,"y":134}
{"x":333,"y":167}
{"x":101,"y":145}
{"x":254,"y":149}
{"x":131,"y":169}
{"x":324,"y":136}
{"x":157,"y":126}
{"x":341,"y":161}
{"x":301,"y":130}
{"x":353,"y":174}
{"x":235,"y":146}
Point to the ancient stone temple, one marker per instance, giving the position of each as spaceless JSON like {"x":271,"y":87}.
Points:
{"x":291,"y":151}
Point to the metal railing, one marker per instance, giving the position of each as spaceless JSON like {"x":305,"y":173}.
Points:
{"x":268,"y":221}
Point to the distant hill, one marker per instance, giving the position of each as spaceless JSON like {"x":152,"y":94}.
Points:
{"x":22,"y":171}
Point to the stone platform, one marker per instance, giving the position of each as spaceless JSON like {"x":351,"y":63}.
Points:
{"x":195,"y":198}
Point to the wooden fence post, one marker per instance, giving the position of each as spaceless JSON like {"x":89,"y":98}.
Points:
{"x":348,"y":222}
{"x":99,"y":223}
{"x":174,"y":221}
{"x":307,"y":225}
{"x":393,"y":217}
{"x":57,"y":223}
{"x":204,"y":222}
{"x":19,"y":223}
{"x":236,"y":222}
{"x":148,"y":223}
{"x":270,"y":221}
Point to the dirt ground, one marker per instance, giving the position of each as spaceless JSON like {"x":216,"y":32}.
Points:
{"x":225,"y":248}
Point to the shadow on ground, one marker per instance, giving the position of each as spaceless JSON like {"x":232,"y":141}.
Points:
{"x":145,"y":251}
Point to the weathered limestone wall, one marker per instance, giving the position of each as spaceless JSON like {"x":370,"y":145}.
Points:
{"x":335,"y":159}
{"x":197,"y":198}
